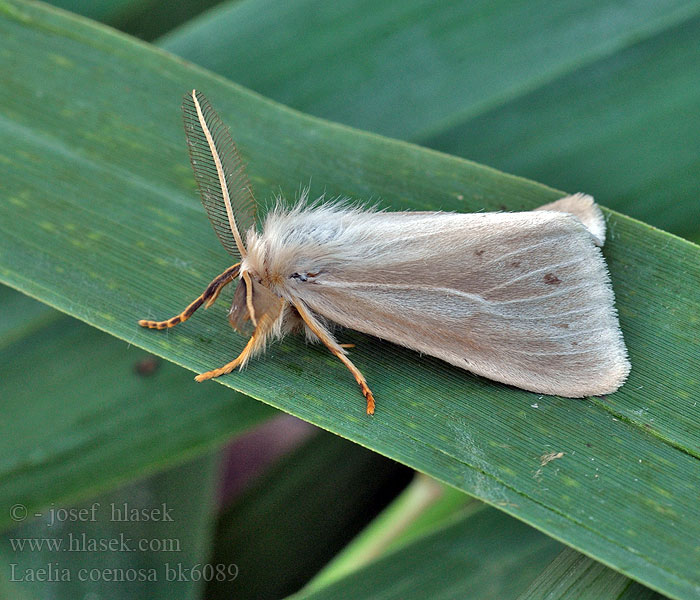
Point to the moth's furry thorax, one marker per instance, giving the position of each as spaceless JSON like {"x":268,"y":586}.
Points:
{"x":298,"y":245}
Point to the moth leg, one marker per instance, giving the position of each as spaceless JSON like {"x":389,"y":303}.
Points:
{"x":207,"y":298}
{"x":336,"y":349}
{"x":270,"y":312}
{"x":227,"y":368}
{"x":249,"y":298}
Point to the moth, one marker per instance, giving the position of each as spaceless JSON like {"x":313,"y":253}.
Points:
{"x":523,"y":298}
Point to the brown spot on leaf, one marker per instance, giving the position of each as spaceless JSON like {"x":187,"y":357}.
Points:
{"x":552,"y":279}
{"x":479,"y":252}
{"x":515,"y":263}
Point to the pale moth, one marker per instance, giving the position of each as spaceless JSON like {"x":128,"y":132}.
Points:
{"x":523,"y":298}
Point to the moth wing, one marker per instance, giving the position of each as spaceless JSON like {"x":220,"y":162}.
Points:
{"x":521,"y":298}
{"x":584,"y":208}
{"x":220,"y":173}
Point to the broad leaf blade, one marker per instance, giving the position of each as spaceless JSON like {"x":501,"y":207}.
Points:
{"x":596,"y":96}
{"x":486,"y":555}
{"x":146,"y":19}
{"x":624,"y":129}
{"x":299,"y":514}
{"x":446,"y":47}
{"x":102,"y":221}
{"x":21,"y":316}
{"x":100,"y":10}
{"x":83,"y":413}
{"x":425,"y":505}
{"x":572,"y":576}
{"x":149,"y":539}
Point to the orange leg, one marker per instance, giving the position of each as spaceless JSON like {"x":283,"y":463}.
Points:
{"x":207,"y":298}
{"x":249,"y":297}
{"x":336,"y":349}
{"x":227,"y":368}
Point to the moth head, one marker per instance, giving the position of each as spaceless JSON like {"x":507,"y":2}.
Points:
{"x":253,"y":302}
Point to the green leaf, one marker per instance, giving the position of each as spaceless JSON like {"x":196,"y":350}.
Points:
{"x":82,"y":413}
{"x":146,"y":19}
{"x":100,"y":10}
{"x":99,"y":217}
{"x":423,"y":506}
{"x":24,"y":319}
{"x":572,"y":576}
{"x":146,"y":540}
{"x":299,"y":514}
{"x":637,"y":152}
{"x":152,"y":18}
{"x":21,"y":316}
{"x":486,"y":555}
{"x":597,"y":96}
